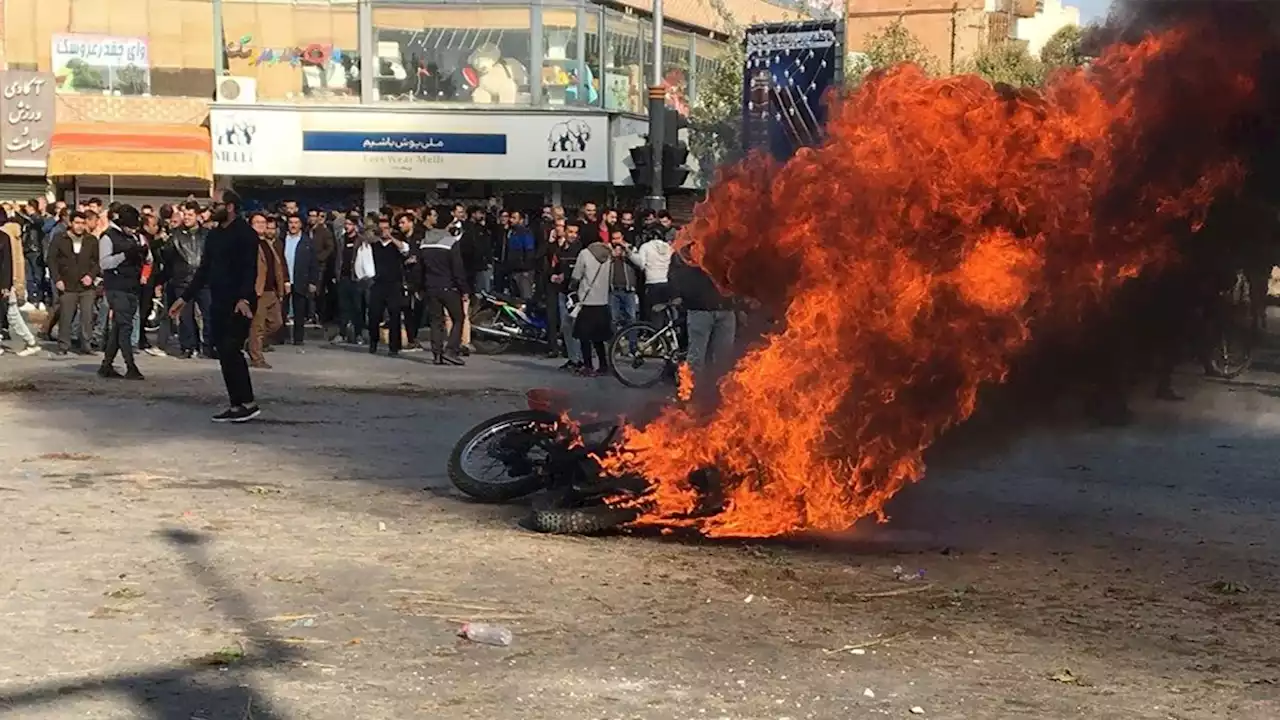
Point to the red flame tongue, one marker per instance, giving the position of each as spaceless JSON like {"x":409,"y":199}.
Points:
{"x":940,"y":224}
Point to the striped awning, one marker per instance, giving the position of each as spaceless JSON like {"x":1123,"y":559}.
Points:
{"x":141,"y":149}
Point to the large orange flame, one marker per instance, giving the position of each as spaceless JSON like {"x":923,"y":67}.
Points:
{"x":940,"y":226}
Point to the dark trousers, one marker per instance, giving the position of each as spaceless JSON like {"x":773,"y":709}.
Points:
{"x":123,"y":305}
{"x":353,"y":305}
{"x":300,"y":305}
{"x":232,"y":333}
{"x":440,"y":302}
{"x":146,"y":300}
{"x":192,"y":337}
{"x":412,"y":310}
{"x":68,"y":303}
{"x":385,"y":299}
{"x":552,"y":300}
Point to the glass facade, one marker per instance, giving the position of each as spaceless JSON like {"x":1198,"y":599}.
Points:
{"x":450,"y":53}
{"x":511,"y":53}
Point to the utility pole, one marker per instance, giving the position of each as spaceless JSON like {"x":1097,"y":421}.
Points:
{"x":657,"y":113}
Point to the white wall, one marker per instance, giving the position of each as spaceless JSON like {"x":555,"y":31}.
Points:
{"x":1053,"y":17}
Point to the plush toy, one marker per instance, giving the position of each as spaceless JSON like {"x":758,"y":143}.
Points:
{"x":496,"y":79}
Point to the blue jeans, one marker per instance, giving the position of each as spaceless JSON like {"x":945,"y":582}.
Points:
{"x":100,"y":325}
{"x":623,"y":305}
{"x":34,"y":278}
{"x":483,"y":281}
{"x":571,"y":343}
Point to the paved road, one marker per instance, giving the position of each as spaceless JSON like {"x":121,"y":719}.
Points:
{"x":316,"y":564}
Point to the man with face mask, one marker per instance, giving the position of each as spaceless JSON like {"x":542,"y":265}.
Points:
{"x":74,"y":267}
{"x":121,"y":255}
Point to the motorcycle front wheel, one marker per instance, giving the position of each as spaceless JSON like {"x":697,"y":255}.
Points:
{"x":484,"y":343}
{"x":474,"y":469}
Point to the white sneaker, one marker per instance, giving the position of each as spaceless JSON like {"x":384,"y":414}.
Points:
{"x":154,"y":352}
{"x":28,"y":351}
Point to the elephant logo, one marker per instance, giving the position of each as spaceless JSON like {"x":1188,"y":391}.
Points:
{"x":570,"y":136}
{"x":238,"y":133}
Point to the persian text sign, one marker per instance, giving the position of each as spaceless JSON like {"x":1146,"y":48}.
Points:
{"x":26,"y":103}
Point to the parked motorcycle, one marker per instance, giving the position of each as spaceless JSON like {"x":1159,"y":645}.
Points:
{"x":519,"y":453}
{"x":497,"y":322}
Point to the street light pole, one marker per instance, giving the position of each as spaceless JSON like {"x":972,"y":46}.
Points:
{"x":657,"y":113}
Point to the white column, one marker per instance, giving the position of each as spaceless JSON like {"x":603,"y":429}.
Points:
{"x":372,"y":195}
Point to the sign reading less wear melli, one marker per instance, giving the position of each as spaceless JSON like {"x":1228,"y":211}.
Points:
{"x":26,"y":121}
{"x":531,"y":146}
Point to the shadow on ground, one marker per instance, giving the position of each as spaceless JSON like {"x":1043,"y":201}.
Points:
{"x":213,"y":687}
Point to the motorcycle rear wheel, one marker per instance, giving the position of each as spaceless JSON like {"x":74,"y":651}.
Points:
{"x":503,"y":488}
{"x":587,"y":520}
{"x":483,"y":343}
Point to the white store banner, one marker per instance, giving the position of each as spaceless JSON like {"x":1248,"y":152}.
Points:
{"x":480,"y":145}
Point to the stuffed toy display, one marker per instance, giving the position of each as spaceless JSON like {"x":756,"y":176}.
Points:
{"x":493,"y":78}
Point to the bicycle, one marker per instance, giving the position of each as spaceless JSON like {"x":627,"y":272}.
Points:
{"x":634,"y":346}
{"x":1232,"y":325}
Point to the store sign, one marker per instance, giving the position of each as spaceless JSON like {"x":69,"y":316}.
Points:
{"x":97,"y":63}
{"x":26,"y":103}
{"x":531,"y":146}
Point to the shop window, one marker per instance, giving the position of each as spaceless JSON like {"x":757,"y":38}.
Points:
{"x":706,"y":61}
{"x":624,"y":58}
{"x":675,"y":69}
{"x":566,"y":80}
{"x":453,"y":54}
{"x":296,"y":52}
{"x":115,"y":47}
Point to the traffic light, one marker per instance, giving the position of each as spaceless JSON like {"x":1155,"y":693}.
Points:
{"x":674,"y":152}
{"x":674,"y":170}
{"x":641,"y":166}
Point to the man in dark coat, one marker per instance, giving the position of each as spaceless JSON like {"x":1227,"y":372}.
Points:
{"x":229,"y":269}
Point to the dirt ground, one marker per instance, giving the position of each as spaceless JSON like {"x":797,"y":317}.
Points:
{"x":317,"y":564}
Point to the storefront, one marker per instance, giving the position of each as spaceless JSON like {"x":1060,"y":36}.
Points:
{"x":26,"y":102}
{"x":327,"y":156}
{"x":144,"y":163}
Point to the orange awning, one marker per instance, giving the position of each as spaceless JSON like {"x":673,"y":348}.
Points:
{"x":141,"y":149}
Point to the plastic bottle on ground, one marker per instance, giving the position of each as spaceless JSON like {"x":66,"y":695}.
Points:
{"x":485,"y":634}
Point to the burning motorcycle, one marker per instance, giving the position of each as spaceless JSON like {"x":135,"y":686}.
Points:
{"x":497,"y":322}
{"x":519,"y":453}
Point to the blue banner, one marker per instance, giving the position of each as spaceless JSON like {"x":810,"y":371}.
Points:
{"x":375,"y":142}
{"x":789,"y":67}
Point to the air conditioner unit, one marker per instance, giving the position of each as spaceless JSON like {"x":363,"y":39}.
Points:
{"x":240,"y":90}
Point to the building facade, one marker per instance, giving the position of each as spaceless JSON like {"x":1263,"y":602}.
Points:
{"x":345,"y":101}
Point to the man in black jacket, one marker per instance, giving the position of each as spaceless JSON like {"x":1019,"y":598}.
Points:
{"x":408,"y":231}
{"x":183,"y":255}
{"x":712,"y":321}
{"x":445,"y":282}
{"x":229,"y":268}
{"x":121,"y":255}
{"x":386,"y":295}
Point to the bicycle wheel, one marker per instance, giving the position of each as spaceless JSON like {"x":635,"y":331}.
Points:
{"x":639,"y":355}
{"x":1230,"y":351}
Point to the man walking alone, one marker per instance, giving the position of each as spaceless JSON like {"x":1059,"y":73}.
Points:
{"x":229,"y":268}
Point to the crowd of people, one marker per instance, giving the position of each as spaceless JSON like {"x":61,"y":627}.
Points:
{"x":368,"y":279}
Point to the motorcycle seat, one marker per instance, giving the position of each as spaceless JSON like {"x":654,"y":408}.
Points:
{"x":506,"y":299}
